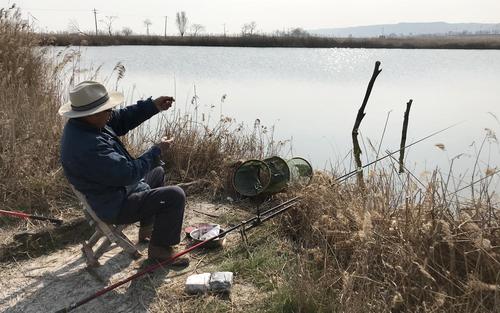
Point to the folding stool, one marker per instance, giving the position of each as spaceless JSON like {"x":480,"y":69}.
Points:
{"x":112,"y":235}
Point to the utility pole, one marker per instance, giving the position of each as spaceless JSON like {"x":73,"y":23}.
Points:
{"x":165,"y":27}
{"x":224,"y":29}
{"x":95,"y":20}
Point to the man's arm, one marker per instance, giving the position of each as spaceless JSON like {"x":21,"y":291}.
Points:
{"x":113,"y":169}
{"x":130,"y":117}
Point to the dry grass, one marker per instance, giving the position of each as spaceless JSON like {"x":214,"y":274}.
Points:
{"x":205,"y":151}
{"x":30,"y":127}
{"x":397,"y":249}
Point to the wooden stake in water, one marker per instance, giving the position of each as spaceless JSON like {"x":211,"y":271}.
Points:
{"x":403,"y":137}
{"x":359,"y":117}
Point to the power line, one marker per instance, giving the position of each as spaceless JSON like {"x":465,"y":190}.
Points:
{"x":83,"y":10}
{"x":58,"y":10}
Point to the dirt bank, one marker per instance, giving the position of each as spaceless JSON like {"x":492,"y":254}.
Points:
{"x":51,"y":281}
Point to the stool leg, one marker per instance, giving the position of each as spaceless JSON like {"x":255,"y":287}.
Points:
{"x":102,"y":248}
{"x":94,"y":238}
{"x":88,"y":253}
{"x":114,"y":236}
{"x":126,"y":244}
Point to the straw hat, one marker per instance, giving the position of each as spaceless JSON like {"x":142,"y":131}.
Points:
{"x":89,"y":98}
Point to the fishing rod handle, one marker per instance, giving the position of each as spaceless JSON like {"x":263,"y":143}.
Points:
{"x":14,"y":213}
{"x":54,"y":221}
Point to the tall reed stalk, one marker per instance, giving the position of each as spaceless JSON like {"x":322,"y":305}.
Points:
{"x":29,"y":125}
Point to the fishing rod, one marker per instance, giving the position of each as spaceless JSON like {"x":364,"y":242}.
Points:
{"x":54,"y":221}
{"x":247,"y":224}
{"x":474,"y":182}
{"x":352,"y":173}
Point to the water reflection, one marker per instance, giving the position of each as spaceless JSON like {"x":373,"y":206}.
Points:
{"x":312,"y":95}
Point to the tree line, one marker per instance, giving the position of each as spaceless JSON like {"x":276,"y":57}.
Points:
{"x":183,"y":27}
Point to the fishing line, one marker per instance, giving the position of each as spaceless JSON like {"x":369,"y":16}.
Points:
{"x":352,"y":173}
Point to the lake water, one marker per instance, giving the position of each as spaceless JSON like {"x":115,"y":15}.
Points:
{"x":312,"y":95}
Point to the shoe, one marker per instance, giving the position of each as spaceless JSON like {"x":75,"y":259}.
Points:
{"x":160,"y":254}
{"x":145,"y":233}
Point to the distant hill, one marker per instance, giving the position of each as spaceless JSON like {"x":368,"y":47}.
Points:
{"x":409,"y":29}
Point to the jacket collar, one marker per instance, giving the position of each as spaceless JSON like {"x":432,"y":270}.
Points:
{"x":82,"y":125}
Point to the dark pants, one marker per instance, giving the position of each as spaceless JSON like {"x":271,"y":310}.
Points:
{"x":161,"y":206}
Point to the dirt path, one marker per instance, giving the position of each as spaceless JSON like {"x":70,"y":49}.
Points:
{"x":54,"y":281}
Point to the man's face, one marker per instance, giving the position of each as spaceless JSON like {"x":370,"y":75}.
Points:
{"x":98,"y":120}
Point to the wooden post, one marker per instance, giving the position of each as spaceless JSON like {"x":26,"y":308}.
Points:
{"x":403,"y":137}
{"x":359,"y":117}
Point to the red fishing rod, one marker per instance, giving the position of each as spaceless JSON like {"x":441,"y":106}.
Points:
{"x":248,"y":224}
{"x":54,"y":221}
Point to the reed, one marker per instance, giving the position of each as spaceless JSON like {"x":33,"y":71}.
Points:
{"x":30,"y":178}
{"x":206,"y":150}
{"x":395,"y":246}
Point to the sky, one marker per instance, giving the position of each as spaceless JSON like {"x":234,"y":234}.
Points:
{"x":269,"y":15}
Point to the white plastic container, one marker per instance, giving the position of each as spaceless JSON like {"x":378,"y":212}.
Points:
{"x":198,"y":283}
{"x":217,"y":282}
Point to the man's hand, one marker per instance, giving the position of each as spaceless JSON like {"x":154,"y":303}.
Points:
{"x":165,"y":143}
{"x":163,"y":103}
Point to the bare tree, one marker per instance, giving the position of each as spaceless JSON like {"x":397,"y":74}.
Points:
{"x":249,"y":28}
{"x":298,"y":32}
{"x":147,"y":23}
{"x":73,"y":27}
{"x":108,"y":22}
{"x":127,"y":31}
{"x":181,"y":20}
{"x":197,"y":28}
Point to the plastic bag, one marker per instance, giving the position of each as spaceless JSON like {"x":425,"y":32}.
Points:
{"x":207,"y":234}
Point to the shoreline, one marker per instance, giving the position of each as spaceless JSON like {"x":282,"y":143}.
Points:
{"x":483,"y":42}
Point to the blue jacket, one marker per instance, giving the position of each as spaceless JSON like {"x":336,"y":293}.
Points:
{"x":97,"y":164}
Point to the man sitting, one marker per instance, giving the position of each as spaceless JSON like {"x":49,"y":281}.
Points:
{"x":119,"y":188}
